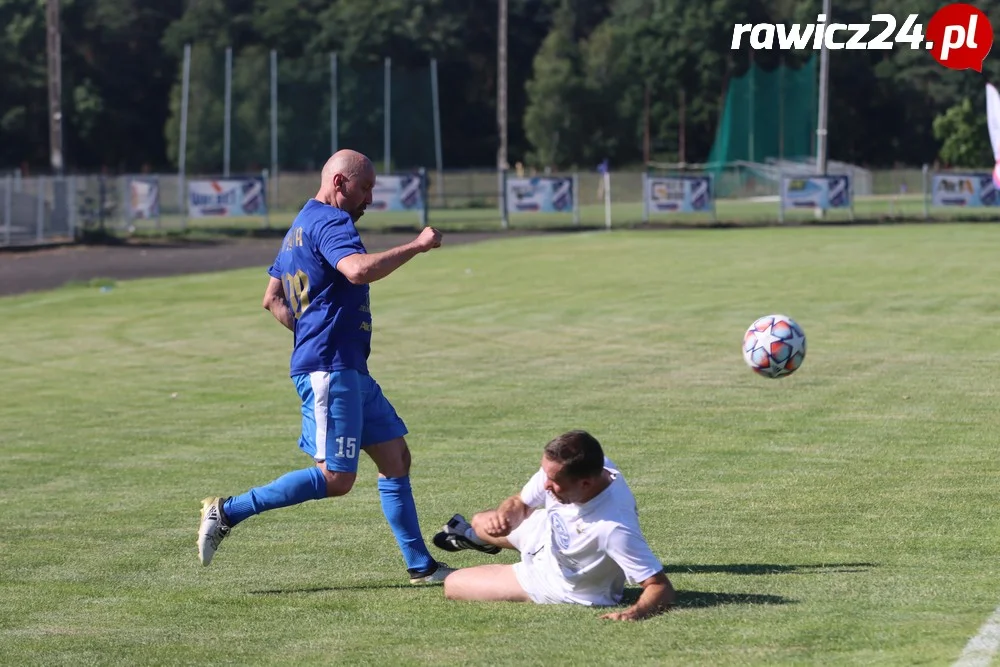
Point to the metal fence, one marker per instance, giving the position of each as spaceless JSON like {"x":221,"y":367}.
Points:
{"x":40,"y":210}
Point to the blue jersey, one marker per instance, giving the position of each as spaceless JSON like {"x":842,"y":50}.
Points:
{"x":333,"y":321}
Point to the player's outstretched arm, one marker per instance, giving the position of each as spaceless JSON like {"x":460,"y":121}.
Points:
{"x":657,"y":596}
{"x":276,"y":303}
{"x":362,"y":268}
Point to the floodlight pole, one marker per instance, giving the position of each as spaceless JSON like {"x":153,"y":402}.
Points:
{"x":227,"y":127}
{"x":824,"y":85}
{"x":54,"y":55}
{"x":502,"y":109}
{"x":502,"y":84}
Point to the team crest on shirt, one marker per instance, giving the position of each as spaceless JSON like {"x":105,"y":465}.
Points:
{"x":560,"y":533}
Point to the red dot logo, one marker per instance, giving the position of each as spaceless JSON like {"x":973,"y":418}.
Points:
{"x":960,"y":36}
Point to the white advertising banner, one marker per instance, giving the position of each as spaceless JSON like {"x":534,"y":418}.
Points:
{"x":227,"y":197}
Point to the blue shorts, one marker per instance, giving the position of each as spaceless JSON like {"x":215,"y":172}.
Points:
{"x":343,"y":412}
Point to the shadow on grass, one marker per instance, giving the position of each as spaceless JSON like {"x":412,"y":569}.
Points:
{"x":686,"y":599}
{"x":764,"y":568}
{"x":374,"y":586}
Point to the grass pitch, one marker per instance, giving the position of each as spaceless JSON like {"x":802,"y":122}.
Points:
{"x":843,"y":515}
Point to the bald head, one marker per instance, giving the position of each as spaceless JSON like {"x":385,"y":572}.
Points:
{"x":347,"y":182}
{"x":348,"y":163}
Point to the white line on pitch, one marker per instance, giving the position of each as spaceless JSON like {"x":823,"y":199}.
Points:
{"x":981,"y":648}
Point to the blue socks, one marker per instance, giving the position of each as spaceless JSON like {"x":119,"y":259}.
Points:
{"x":309,"y":484}
{"x":291,"y":489}
{"x":401,"y":513}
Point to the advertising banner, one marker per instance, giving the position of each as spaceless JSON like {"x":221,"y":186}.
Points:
{"x":397,"y":193}
{"x":230,"y":197}
{"x":971,"y":190}
{"x":541,"y":194}
{"x":679,"y":194}
{"x":823,"y":192}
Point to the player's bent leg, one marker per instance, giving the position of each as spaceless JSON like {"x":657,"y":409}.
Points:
{"x":478,"y":524}
{"x":218,"y":515}
{"x":487,"y":583}
{"x":458,"y":535}
{"x":392,"y":457}
{"x":337,"y":483}
{"x":332,"y":408}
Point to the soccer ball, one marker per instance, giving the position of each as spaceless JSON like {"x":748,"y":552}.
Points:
{"x":774,"y":346}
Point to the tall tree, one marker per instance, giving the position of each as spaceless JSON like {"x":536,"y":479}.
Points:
{"x":557,"y":96}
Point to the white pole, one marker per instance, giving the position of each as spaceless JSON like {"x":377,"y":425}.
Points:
{"x":781,"y":198}
{"x":8,"y":196}
{"x":54,"y":53}
{"x":182,"y":150}
{"x":274,"y":126}
{"x":502,"y":183}
{"x":576,"y":198}
{"x":711,"y":192}
{"x":227,"y":129}
{"x":423,"y":197}
{"x":924,"y":173}
{"x":502,"y":84}
{"x":824,"y":82}
{"x":387,"y":116}
{"x":334,"y":130}
{"x":40,"y":209}
{"x":439,"y":161}
{"x":645,"y":196}
{"x":850,"y":193}
{"x":71,"y":202}
{"x":607,"y":198}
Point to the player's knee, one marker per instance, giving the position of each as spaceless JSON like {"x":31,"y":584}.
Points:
{"x":451,"y":587}
{"x":396,"y":466}
{"x":338,"y":483}
{"x":402,"y":462}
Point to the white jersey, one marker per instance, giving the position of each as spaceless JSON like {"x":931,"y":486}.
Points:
{"x":582,"y":554}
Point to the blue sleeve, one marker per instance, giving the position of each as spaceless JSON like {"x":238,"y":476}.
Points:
{"x":337,"y":241}
{"x":275,"y":269}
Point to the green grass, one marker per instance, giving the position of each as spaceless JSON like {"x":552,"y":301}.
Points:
{"x":843,"y":515}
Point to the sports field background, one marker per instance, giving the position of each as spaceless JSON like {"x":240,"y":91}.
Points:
{"x":842,"y":515}
{"x":732,"y":213}
{"x":467,"y":201}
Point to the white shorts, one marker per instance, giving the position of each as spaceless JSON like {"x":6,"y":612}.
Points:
{"x":530,"y":538}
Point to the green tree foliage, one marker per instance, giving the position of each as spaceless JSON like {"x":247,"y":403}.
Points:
{"x":965,"y":137}
{"x":115,"y":82}
{"x":580,"y":75}
{"x":554,"y":92}
{"x":23,"y":98}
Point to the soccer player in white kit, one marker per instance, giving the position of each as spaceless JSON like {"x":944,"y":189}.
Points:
{"x":576,"y":526}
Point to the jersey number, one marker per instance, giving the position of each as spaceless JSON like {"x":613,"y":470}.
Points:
{"x":351,"y":450}
{"x":297,"y":289}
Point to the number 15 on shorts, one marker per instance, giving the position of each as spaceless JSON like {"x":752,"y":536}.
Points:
{"x":347,"y":448}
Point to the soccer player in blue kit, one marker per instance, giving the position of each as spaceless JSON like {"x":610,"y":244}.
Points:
{"x":319,"y":290}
